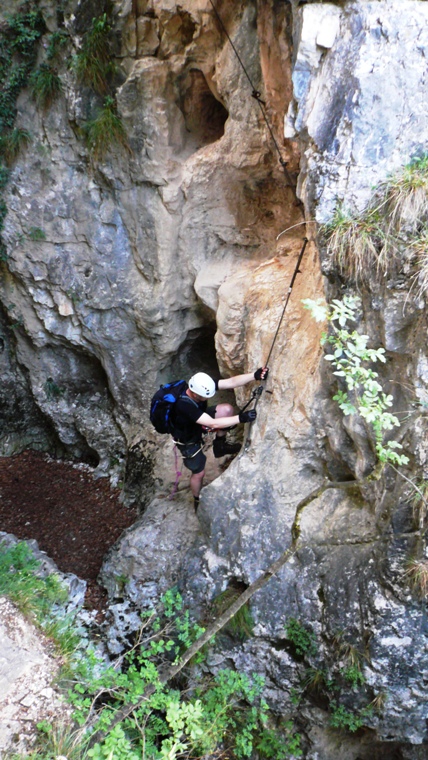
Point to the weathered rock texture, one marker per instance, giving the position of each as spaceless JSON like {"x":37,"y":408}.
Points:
{"x":137,"y":245}
{"x":28,"y":669}
{"x":147,"y":249}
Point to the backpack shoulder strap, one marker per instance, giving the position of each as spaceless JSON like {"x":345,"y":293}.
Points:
{"x":184,"y":397}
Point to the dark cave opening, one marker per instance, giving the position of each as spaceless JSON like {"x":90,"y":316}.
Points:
{"x":196,"y":354}
{"x":204,"y":115}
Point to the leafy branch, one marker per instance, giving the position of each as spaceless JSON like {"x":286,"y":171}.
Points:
{"x":352,"y":359}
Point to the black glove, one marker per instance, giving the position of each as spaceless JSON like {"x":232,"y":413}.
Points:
{"x":248,"y":416}
{"x":261,"y":373}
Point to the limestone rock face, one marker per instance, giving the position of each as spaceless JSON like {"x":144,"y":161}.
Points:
{"x":359,"y":102}
{"x":355,"y":122}
{"x":114,"y":265}
{"x":146,"y":252}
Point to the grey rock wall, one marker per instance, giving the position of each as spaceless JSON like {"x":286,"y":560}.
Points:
{"x":145,"y":250}
{"x":359,"y":104}
{"x":355,"y":122}
{"x":135,"y":247}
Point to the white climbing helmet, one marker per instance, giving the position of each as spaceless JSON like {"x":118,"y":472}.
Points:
{"x":202,"y":384}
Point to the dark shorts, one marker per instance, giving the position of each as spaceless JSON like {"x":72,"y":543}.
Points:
{"x":193,"y":456}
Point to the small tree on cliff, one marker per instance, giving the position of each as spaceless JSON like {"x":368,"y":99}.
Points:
{"x":352,"y":360}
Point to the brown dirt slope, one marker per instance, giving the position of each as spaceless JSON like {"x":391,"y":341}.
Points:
{"x":73,"y":517}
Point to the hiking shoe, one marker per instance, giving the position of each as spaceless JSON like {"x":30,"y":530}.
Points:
{"x":196,"y":503}
{"x":222,"y":448}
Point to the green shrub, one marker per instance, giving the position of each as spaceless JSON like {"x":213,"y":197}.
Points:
{"x":222,"y":714}
{"x":25,"y":29}
{"x":303,"y":640}
{"x":345,"y":720}
{"x":271,"y":745}
{"x":354,"y":675}
{"x":352,"y":360}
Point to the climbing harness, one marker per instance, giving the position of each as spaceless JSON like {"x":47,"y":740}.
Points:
{"x":259,"y":390}
{"x":262,"y":105}
{"x":206,"y":443}
{"x":178,"y":473}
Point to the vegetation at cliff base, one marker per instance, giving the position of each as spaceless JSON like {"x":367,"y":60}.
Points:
{"x":198,"y":714}
{"x":20,"y":581}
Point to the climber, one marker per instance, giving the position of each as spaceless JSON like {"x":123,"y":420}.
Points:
{"x":191,"y":415}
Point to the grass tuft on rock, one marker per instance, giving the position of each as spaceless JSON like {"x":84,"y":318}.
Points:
{"x":390,"y":232}
{"x":105,"y":131}
{"x":11,"y":144}
{"x":406,"y":196}
{"x":33,"y":595}
{"x":45,"y":85}
{"x":417,"y":576}
{"x":93,"y":63}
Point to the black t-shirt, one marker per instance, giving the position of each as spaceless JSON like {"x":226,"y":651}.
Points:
{"x":186,"y":412}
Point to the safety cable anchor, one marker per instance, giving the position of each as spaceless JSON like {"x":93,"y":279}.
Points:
{"x":258,"y":96}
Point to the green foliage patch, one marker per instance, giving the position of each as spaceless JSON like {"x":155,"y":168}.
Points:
{"x":225,"y":712}
{"x":221,"y":714}
{"x":352,"y":360}
{"x":303,"y":640}
{"x":33,"y":595}
{"x":18,"y":50}
{"x":346,"y":720}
